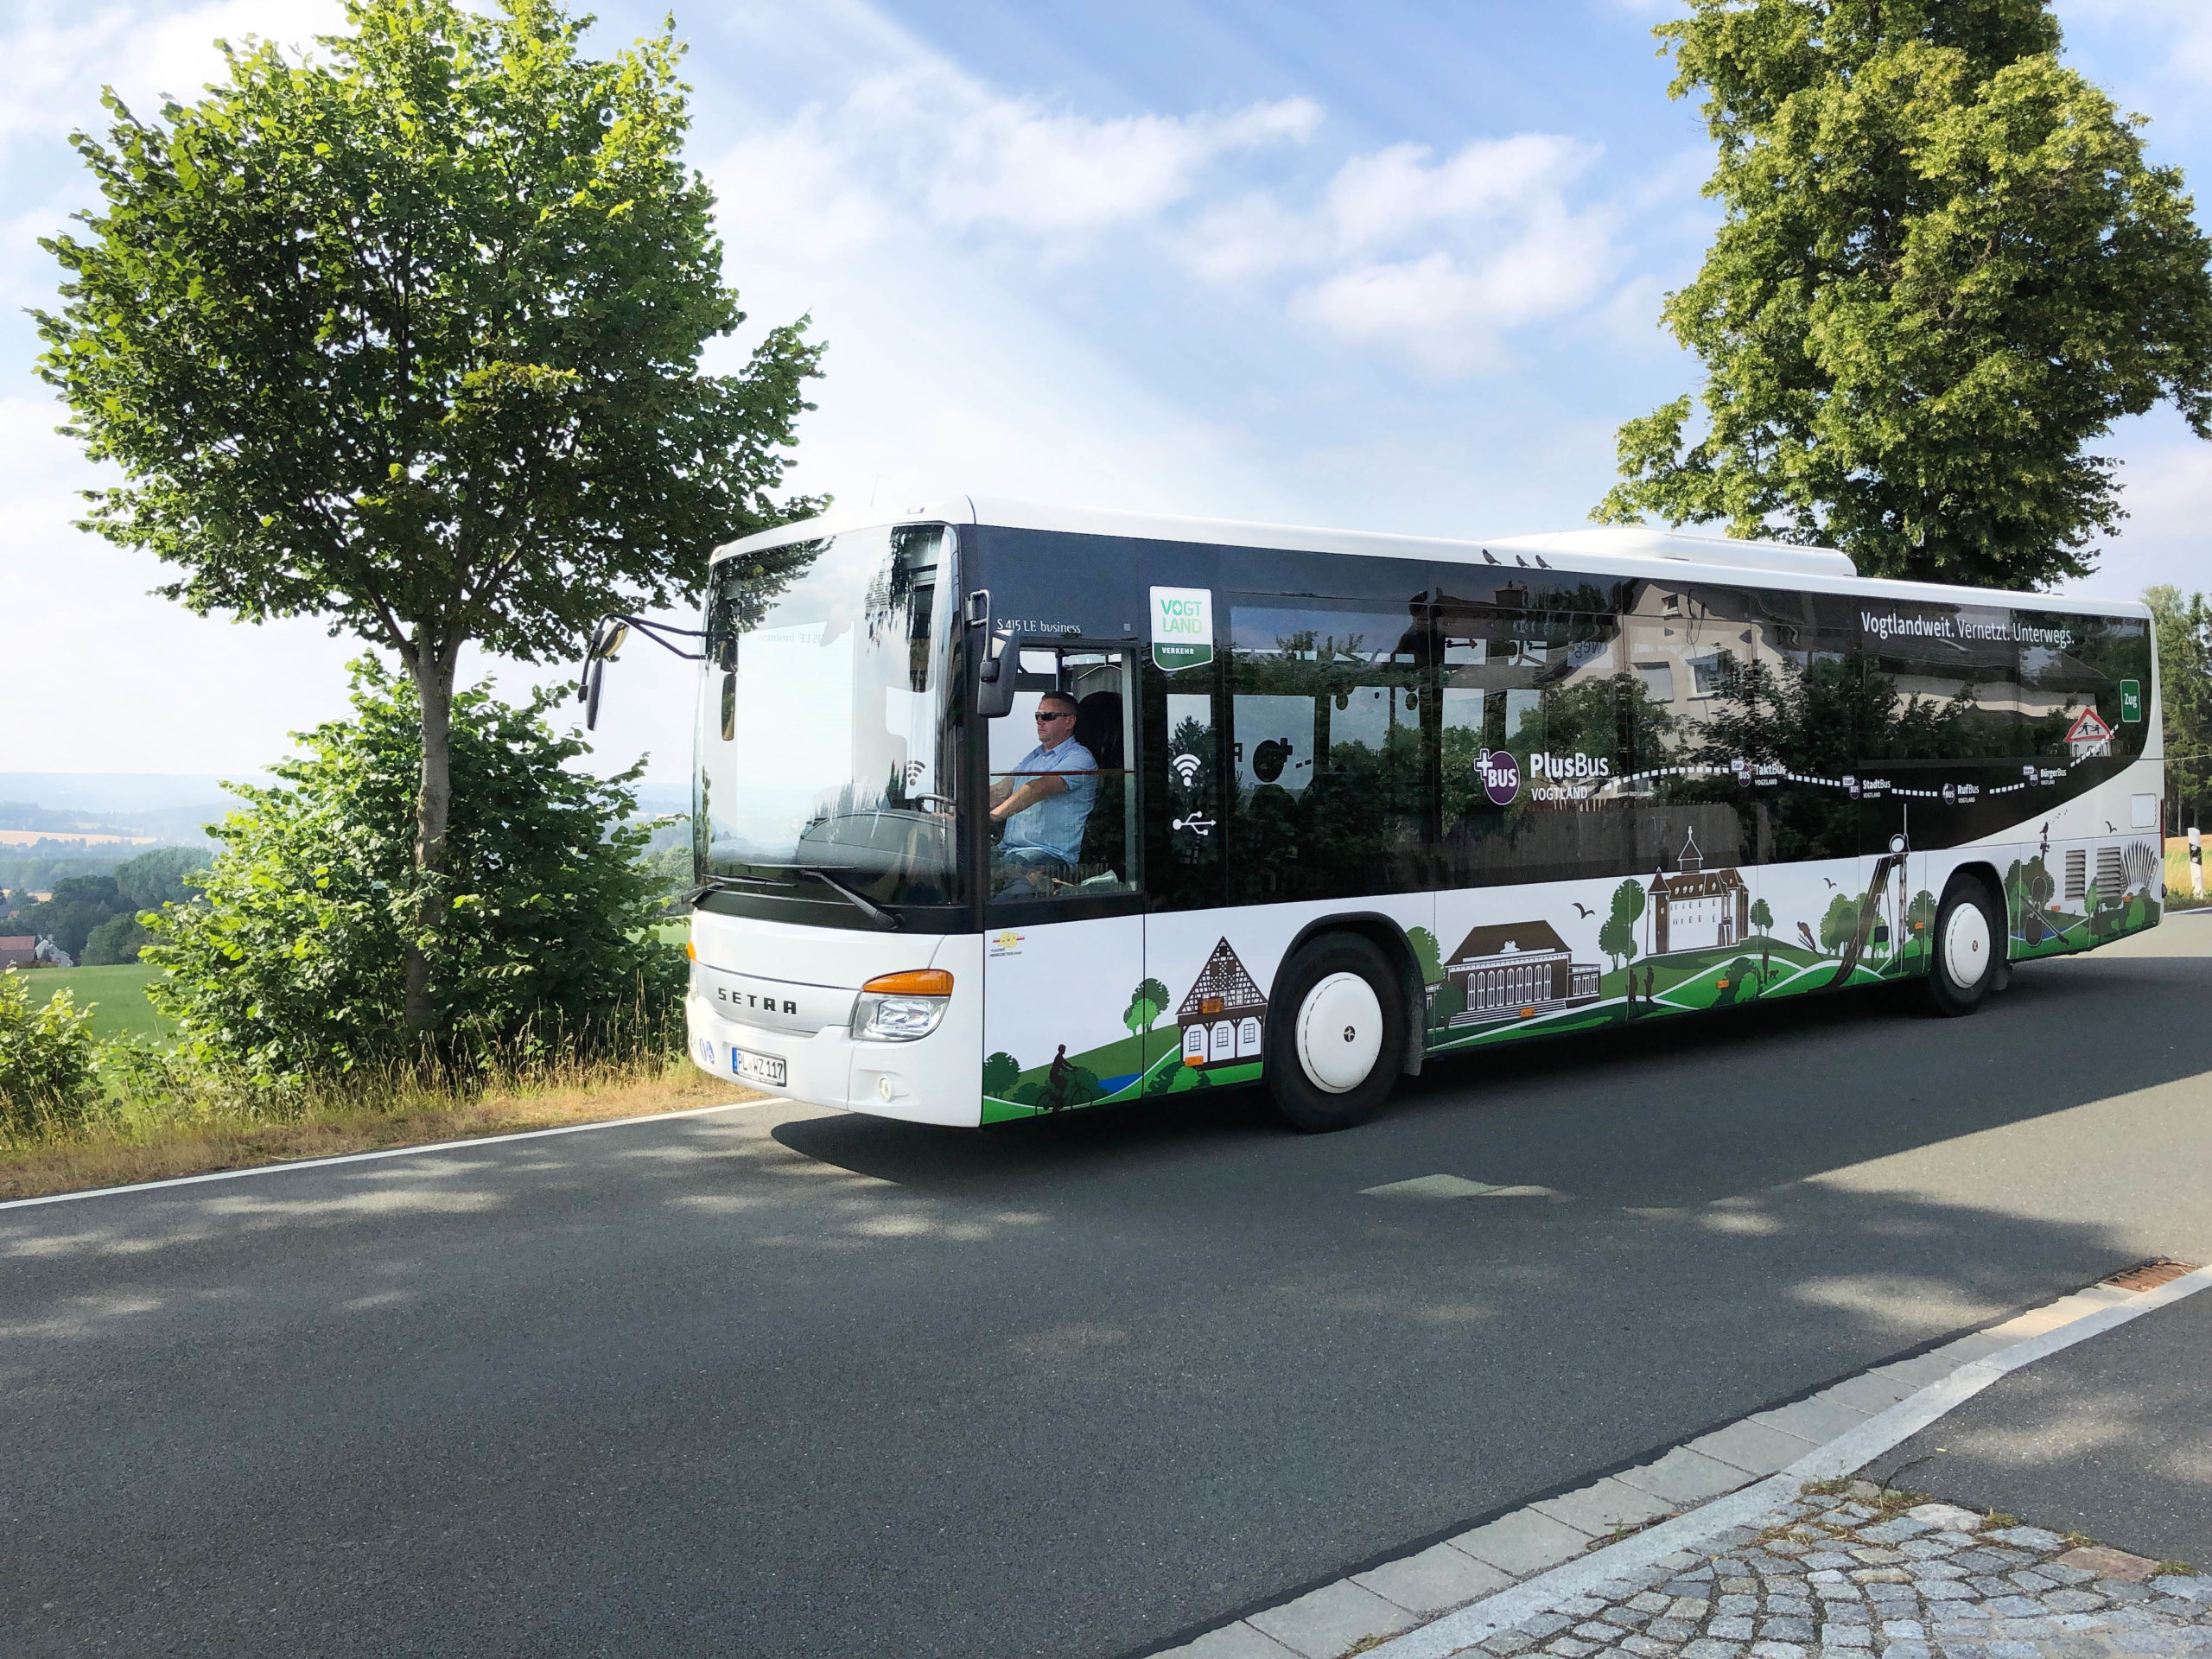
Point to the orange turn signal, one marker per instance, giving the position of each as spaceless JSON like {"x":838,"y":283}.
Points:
{"x":915,"y":982}
{"x":691,"y":950}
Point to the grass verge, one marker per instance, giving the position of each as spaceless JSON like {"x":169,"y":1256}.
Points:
{"x":131,"y":1146}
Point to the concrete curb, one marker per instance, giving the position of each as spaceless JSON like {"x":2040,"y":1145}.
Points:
{"x":1326,"y":1621}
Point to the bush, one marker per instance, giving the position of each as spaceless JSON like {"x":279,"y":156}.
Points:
{"x":289,"y":963}
{"x":118,"y":939}
{"x":47,"y":1061}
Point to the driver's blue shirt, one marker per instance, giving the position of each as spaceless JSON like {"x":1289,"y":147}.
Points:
{"x":1054,"y":825}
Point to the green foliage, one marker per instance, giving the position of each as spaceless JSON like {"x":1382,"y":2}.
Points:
{"x":1147,"y":1004}
{"x":164,"y":876}
{"x":2184,"y":635}
{"x":1840,"y":925}
{"x":406,"y":335}
{"x":540,"y":933}
{"x":115,"y":941}
{"x":1000,"y":1072}
{"x":1944,"y":268}
{"x":92,"y":917}
{"x":1617,"y":934}
{"x":79,"y":904}
{"x":1428,"y":954}
{"x":48,"y":1075}
{"x":1742,"y":975}
{"x":1762,"y":915}
{"x":408,"y":332}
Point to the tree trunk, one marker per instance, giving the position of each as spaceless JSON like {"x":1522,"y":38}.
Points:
{"x":433,"y":665}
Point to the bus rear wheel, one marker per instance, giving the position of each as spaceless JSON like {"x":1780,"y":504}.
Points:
{"x":1966,"y":945}
{"x":1336,"y":1037}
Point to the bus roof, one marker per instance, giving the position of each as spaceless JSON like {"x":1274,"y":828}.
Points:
{"x":1632,"y":550}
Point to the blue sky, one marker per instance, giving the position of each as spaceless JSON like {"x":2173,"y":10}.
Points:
{"x":1388,"y":265}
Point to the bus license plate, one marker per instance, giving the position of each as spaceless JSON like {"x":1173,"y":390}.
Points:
{"x":766,"y":1069}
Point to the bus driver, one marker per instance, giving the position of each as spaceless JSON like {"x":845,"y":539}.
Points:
{"x":1045,"y":815}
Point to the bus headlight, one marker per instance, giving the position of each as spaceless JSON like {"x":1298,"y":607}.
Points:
{"x":899,"y":1008}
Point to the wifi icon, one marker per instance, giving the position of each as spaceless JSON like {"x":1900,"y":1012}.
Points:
{"x":1184,"y":766}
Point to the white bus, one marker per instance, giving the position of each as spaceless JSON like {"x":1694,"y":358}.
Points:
{"x":1313,"y":809}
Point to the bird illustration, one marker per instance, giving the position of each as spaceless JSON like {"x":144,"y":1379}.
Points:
{"x":2111,"y":829}
{"x":1518,"y":560}
{"x":1490,"y":556}
{"x":1539,"y":562}
{"x":1830,"y":883}
{"x":1582,"y":910}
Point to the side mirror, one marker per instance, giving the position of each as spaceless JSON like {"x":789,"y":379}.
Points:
{"x":997,"y":676}
{"x":607,"y":637}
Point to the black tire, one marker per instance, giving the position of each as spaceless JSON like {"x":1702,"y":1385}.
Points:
{"x":1308,"y":1100}
{"x":1947,"y":990}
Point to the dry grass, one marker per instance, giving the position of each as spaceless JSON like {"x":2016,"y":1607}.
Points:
{"x":2178,"y":896}
{"x":125,"y":1149}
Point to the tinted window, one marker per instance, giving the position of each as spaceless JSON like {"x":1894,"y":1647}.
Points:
{"x":1530,"y":711}
{"x":1327,"y":750}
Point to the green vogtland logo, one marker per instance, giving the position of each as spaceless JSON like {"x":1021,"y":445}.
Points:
{"x":1182,"y":627}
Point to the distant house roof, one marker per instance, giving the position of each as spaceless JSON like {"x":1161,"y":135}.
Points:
{"x":20,"y":942}
{"x":1514,"y":937}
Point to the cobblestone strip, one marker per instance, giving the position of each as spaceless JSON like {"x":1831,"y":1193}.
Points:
{"x":1460,"y":1594}
{"x":1830,"y":1579}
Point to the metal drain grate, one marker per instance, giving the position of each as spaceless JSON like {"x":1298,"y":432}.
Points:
{"x":2151,"y":1275}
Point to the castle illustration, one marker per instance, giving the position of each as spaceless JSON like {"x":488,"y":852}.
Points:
{"x":1518,"y":965}
{"x":1221,"y":1016}
{"x":1694,"y":907}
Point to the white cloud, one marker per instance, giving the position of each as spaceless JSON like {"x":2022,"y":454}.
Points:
{"x":927,"y":143}
{"x":1393,"y":192}
{"x":1446,"y":313}
{"x":59,"y":56}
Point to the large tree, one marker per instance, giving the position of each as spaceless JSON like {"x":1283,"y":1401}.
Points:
{"x":2184,"y":630}
{"x":1943,"y":269}
{"x":406,"y":335}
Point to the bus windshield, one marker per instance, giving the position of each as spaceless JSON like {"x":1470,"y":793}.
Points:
{"x":822,"y":750}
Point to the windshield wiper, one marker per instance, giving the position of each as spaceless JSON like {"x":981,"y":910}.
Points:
{"x":876,"y":912}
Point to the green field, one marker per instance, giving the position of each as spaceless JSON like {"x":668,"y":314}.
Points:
{"x":118,"y":996}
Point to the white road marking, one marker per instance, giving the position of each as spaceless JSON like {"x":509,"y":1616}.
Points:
{"x":1452,"y":1186}
{"x":429,"y":1149}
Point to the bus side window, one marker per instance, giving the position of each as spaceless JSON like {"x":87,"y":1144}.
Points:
{"x":1331,"y":764}
{"x":1528,"y":744}
{"x":1059,"y":849}
{"x":1699,"y":669}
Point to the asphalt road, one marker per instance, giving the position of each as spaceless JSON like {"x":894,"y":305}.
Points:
{"x":776,"y":1382}
{"x":2111,"y":1438}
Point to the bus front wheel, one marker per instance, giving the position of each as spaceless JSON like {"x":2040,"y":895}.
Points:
{"x":1966,"y":940}
{"x":1336,"y":1033}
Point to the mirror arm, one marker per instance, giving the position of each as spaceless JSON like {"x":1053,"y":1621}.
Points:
{"x":607,"y":636}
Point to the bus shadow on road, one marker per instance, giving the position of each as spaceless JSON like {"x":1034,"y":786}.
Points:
{"x":1666,"y":1110}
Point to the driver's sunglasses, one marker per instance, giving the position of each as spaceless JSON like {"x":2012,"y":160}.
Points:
{"x":1063,"y":713}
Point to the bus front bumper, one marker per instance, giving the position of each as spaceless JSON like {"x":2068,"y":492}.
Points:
{"x":933,"y":1079}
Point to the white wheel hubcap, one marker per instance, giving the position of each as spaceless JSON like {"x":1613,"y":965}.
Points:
{"x":1339,"y":1033}
{"x":1966,"y":946}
